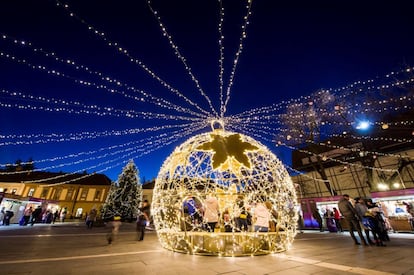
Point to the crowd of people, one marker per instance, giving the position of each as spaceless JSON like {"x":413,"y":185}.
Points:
{"x":31,"y":216}
{"x":238,"y":217}
{"x":361,"y":215}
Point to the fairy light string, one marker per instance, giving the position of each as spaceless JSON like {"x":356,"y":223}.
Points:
{"x":79,"y":154}
{"x":146,"y":143}
{"x":97,"y":134}
{"x":85,"y":83}
{"x":159,"y":102}
{"x":322,"y":156}
{"x":179,"y":55}
{"x":99,"y":156}
{"x":237,"y":56}
{"x":145,"y":149}
{"x":123,"y":51}
{"x":144,"y":115}
{"x":328,"y":144}
{"x":221,"y":53}
{"x":80,"y":108}
{"x":55,"y":137}
{"x":82,"y":82}
{"x":350,"y":90}
{"x":255,"y":132}
{"x":286,"y":134}
{"x":301,"y":174}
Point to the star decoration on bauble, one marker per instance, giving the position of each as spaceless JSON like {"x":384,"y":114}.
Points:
{"x":228,"y":150}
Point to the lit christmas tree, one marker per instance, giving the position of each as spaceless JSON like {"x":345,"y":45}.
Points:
{"x":124,"y":196}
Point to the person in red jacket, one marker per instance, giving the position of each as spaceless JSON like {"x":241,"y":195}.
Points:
{"x":337,"y":217}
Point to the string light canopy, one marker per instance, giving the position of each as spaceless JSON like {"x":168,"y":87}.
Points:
{"x":239,"y":173}
{"x":224,"y":164}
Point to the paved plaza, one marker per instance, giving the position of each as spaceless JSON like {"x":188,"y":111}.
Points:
{"x":71,"y":248}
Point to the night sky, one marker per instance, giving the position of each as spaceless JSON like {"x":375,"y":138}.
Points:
{"x":292,"y":49}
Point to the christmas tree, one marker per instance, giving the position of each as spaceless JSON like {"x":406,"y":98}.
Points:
{"x":124,"y":196}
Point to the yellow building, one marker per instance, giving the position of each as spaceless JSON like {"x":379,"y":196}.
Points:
{"x":77,"y":195}
{"x":147,"y":190}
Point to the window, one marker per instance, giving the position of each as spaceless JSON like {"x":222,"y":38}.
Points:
{"x":84,"y":194}
{"x":31,"y":192}
{"x":45,"y":191}
{"x":57,"y":194}
{"x":69,"y":195}
{"x":97,"y":195}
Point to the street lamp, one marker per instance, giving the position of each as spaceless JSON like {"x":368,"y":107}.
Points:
{"x":363,"y":125}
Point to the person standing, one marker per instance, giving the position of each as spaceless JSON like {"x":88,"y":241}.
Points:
{"x":351,"y":216}
{"x":242,"y":215}
{"x":227,"y":221}
{"x":143,"y":219}
{"x":261,"y":218}
{"x":91,"y":218}
{"x":55,"y":216}
{"x":2,"y":214}
{"x":63,"y":213}
{"x":26,"y":215}
{"x":301,"y":223}
{"x":337,"y":217}
{"x":211,"y":212}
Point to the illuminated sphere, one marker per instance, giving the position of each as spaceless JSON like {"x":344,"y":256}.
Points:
{"x":240,"y":174}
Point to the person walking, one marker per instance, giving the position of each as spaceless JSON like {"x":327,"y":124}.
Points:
{"x":7,"y":217}
{"x":317,"y":216}
{"x":91,"y":218}
{"x":114,"y":225}
{"x":351,"y":216}
{"x":36,"y":215}
{"x":361,"y":209}
{"x":377,"y":220}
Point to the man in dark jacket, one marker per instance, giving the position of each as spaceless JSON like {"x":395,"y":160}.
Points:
{"x":36,"y":215}
{"x":350,"y":215}
{"x":143,"y":219}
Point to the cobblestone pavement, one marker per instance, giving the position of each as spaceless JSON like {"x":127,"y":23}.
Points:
{"x":71,"y":248}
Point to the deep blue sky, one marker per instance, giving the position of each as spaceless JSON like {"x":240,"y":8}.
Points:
{"x":292,"y":49}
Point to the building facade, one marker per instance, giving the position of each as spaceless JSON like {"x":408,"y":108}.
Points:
{"x":386,"y":176}
{"x":77,"y":196}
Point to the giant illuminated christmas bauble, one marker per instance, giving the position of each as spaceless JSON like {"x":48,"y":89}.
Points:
{"x":233,"y":177}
